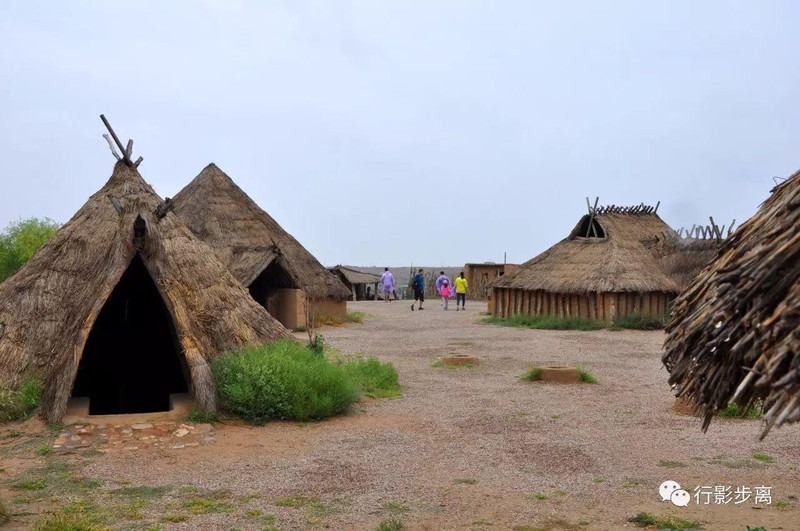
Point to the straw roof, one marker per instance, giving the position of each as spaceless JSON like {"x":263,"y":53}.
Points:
{"x":354,"y":276}
{"x":48,"y":308}
{"x":735,"y":332}
{"x":246,"y":239}
{"x":618,"y":262}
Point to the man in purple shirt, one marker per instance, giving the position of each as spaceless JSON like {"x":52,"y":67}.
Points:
{"x":439,"y":281}
{"x":387,"y":279}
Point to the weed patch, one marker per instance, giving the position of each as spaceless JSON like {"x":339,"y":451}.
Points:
{"x":668,"y":523}
{"x":734,"y":411}
{"x":374,"y":379}
{"x":533,"y":374}
{"x":355,"y":317}
{"x":548,"y":322}
{"x":764,"y":458}
{"x":390,"y":525}
{"x":465,"y":481}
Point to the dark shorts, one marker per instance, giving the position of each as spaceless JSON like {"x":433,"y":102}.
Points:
{"x":419,"y":295}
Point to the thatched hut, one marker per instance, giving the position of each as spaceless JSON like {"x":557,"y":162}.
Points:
{"x":280,"y":274}
{"x":603,"y":270}
{"x":124,"y":306}
{"x":735,"y":331}
{"x":362,"y":285}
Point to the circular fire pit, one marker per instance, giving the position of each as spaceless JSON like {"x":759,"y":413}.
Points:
{"x":455,"y":360}
{"x":560,"y":374}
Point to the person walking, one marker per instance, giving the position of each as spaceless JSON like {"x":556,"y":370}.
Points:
{"x":461,"y":291}
{"x":387,"y":280}
{"x":445,"y":293}
{"x":418,"y":285}
{"x":440,"y":281}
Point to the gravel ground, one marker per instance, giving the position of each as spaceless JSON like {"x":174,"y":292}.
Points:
{"x":470,"y":447}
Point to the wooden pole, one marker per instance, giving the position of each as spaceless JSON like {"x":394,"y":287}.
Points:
{"x":125,"y":156}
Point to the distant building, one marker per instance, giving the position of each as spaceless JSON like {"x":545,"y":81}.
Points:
{"x":479,"y":275}
{"x":363,"y":286}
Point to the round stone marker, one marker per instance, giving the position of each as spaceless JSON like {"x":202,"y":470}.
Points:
{"x":560,"y":374}
{"x":459,"y":359}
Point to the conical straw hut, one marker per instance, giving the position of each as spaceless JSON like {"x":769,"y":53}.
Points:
{"x":605,"y":269}
{"x":279,"y":272}
{"x":735,"y":331}
{"x":124,"y":306}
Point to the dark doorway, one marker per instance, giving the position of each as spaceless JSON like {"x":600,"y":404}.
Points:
{"x":268,"y":282}
{"x":132,"y":360}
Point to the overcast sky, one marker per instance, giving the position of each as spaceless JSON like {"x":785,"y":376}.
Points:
{"x":395,"y":132}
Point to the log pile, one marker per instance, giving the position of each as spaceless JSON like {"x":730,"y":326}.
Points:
{"x":735,"y":331}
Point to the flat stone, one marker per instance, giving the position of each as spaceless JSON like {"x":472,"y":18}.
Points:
{"x":141,"y":426}
{"x":60,"y":441}
{"x":192,"y":444}
{"x":180,"y":432}
{"x":130,"y":448}
{"x":177,"y":446}
{"x":56,"y":446}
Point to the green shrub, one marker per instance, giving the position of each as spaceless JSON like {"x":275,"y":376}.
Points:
{"x":585,"y":375}
{"x":534,"y":374}
{"x":20,"y":402}
{"x":374,"y":379}
{"x":201,"y":416}
{"x":643,"y":321}
{"x":20,"y":241}
{"x":282,"y":380}
{"x":549,"y":322}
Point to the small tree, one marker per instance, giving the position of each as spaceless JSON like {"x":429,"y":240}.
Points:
{"x":20,"y":241}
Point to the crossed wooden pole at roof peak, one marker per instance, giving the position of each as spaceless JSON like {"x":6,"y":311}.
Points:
{"x":127,"y":151}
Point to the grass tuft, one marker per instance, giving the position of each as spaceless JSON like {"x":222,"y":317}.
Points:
{"x":533,"y":374}
{"x":355,"y":317}
{"x":548,"y":322}
{"x":764,"y":458}
{"x":5,"y":515}
{"x":390,"y":525}
{"x":374,"y":379}
{"x":667,"y":523}
{"x":585,"y":375}
{"x":643,"y":321}
{"x":69,"y":522}
{"x":734,"y":411}
{"x":21,"y":401}
{"x":201,"y":416}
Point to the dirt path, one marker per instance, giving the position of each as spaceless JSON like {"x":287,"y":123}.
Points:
{"x":472,"y":447}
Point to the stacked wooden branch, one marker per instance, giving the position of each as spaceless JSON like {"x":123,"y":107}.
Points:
{"x":735,"y":332}
{"x":640,"y":209}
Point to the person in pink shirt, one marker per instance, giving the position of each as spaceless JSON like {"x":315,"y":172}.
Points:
{"x":445,"y":291}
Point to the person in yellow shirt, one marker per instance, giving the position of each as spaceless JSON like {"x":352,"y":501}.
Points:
{"x":461,"y":291}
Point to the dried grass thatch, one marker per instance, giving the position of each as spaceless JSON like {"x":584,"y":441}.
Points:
{"x":616,"y":263}
{"x":735,"y":332}
{"x":246,"y":239}
{"x":48,"y":308}
{"x":354,"y":276}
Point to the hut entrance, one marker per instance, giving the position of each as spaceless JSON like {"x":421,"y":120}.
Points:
{"x":132,"y":360}
{"x":264,"y":288}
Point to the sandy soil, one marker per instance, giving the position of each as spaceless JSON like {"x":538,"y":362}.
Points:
{"x":470,"y":447}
